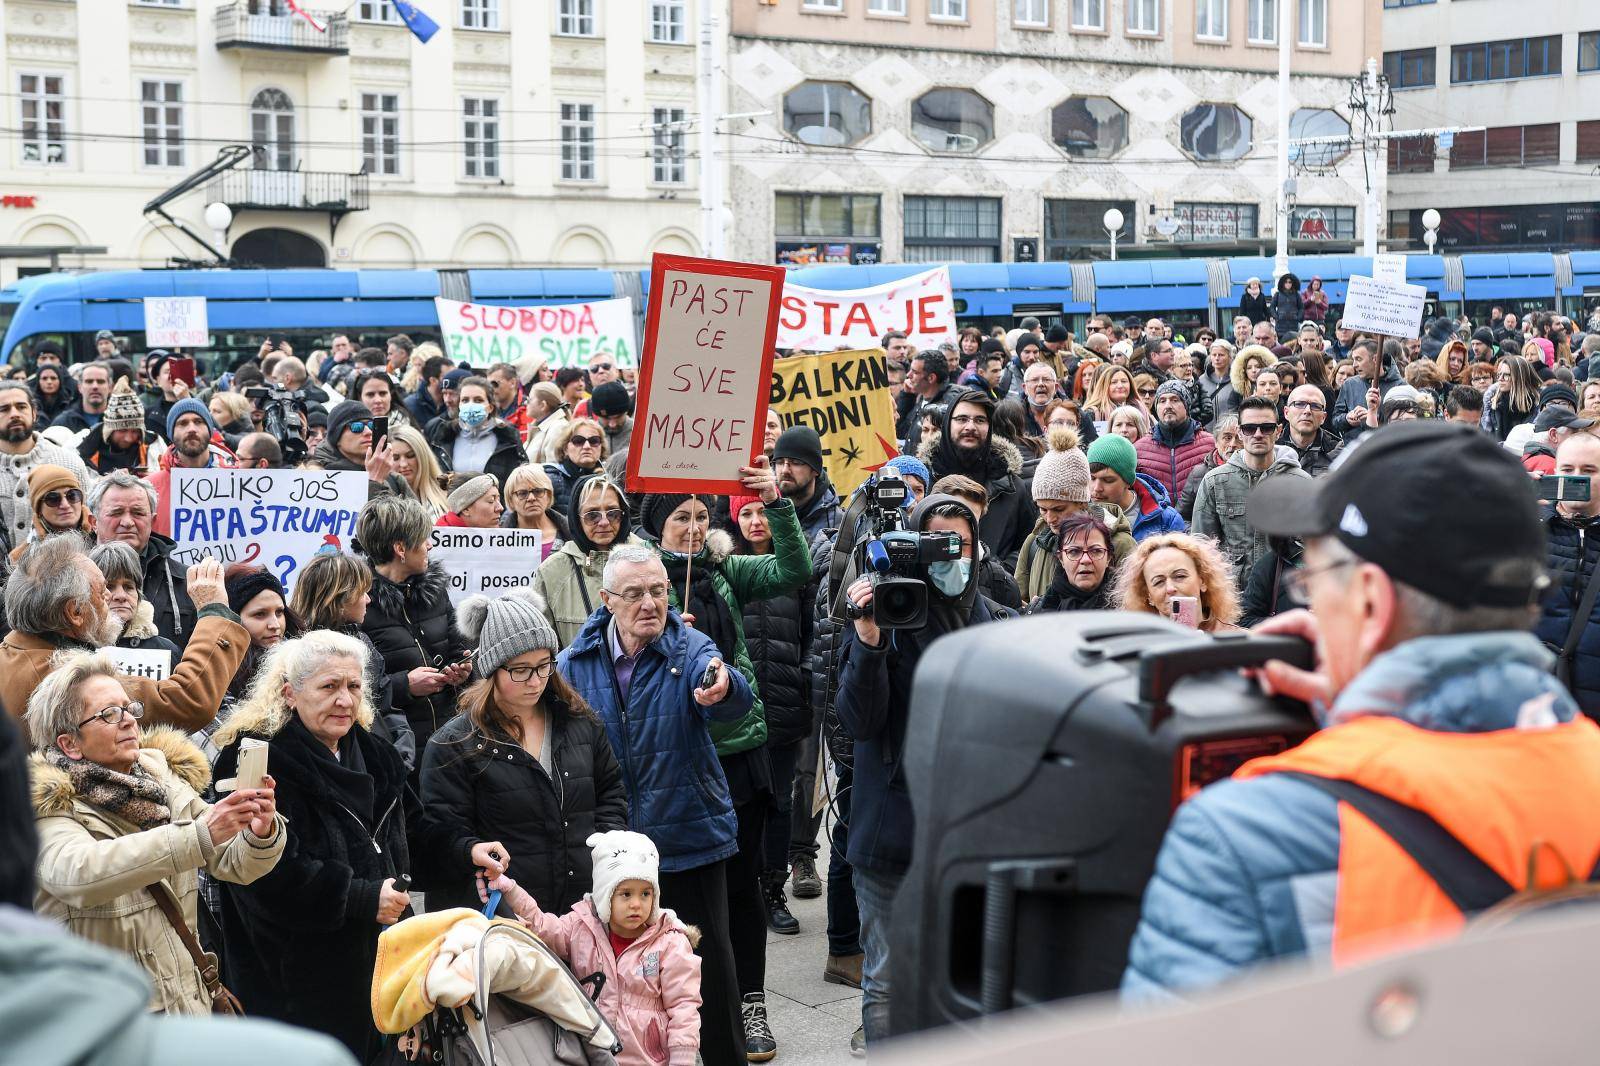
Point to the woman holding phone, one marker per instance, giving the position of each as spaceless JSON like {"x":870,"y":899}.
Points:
{"x":1182,"y":577}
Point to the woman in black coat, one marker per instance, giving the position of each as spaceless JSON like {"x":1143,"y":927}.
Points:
{"x":1253,"y":302}
{"x":1084,"y":578}
{"x":301,"y":940}
{"x":525,"y":768}
{"x":492,"y":446}
{"x":409,"y":619}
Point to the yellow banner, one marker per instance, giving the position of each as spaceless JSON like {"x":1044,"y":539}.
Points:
{"x":844,"y":396}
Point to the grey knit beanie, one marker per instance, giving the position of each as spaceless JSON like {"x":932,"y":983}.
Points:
{"x":1063,"y":473}
{"x":504,"y":628}
{"x":471,"y":491}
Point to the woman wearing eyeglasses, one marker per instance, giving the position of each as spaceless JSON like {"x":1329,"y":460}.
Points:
{"x":121,"y":824}
{"x":582,"y":447}
{"x":524,"y":772}
{"x":569,"y":580}
{"x":56,"y":500}
{"x":530,"y":501}
{"x":1083,"y":580}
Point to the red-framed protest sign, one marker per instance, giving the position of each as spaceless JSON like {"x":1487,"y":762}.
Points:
{"x":706,"y":375}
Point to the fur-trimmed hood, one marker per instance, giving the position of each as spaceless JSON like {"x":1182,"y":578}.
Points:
{"x":426,"y":587}
{"x":1000,"y":450}
{"x":1236,"y":374}
{"x":163,"y":752}
{"x":142,"y":626}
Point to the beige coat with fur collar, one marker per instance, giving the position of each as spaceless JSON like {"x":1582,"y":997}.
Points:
{"x":95,"y":869}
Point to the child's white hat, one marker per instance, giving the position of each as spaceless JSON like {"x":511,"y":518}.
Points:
{"x":623,"y":856}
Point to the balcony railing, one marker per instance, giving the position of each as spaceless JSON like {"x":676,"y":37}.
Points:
{"x":265,"y":24}
{"x":290,"y":190}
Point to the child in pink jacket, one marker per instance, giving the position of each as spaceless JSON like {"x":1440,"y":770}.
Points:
{"x":652,"y":989}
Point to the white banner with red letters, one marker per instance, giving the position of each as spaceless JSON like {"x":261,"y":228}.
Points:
{"x":821,"y":320}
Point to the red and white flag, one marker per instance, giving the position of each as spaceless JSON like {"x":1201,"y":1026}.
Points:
{"x":321,"y":27}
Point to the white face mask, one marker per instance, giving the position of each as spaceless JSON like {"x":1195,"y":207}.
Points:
{"x":950,"y":576}
{"x":473,"y":414}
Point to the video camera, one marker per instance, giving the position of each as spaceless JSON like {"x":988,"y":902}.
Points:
{"x":282,"y":411}
{"x":896,"y":558}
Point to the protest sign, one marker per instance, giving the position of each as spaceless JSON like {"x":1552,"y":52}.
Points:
{"x":1373,"y":306}
{"x":153,"y":664}
{"x":487,"y":561}
{"x":844,"y":396}
{"x":559,"y":335}
{"x":706,"y":375}
{"x":1389,"y":268}
{"x":175,"y":322}
{"x":820,"y":319}
{"x":278,"y":519}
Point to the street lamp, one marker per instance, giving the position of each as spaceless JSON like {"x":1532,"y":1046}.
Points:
{"x":1430,"y":228}
{"x":1113,"y":224}
{"x":219,"y":216}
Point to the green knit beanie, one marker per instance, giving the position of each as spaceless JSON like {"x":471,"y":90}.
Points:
{"x":1114,"y":451}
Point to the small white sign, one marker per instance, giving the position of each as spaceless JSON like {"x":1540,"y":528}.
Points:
{"x":175,"y":322}
{"x":1390,"y":269}
{"x":487,"y":561}
{"x":1373,"y":306}
{"x":152,"y":664}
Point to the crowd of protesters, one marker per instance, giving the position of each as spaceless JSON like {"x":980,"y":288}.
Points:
{"x":678,"y":666}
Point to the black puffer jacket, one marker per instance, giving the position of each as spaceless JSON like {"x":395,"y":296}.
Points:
{"x":166,"y":586}
{"x":412,"y":625}
{"x":776,"y":634}
{"x":507,"y":456}
{"x":481,"y":787}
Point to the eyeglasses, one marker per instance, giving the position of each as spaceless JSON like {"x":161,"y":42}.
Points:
{"x":528,"y":494}
{"x":358,"y":427}
{"x":969,"y":420}
{"x":1074,"y":553}
{"x":1308,"y":405}
{"x":72,"y":496}
{"x":602,"y":366}
{"x":586,"y":442}
{"x":1297,"y":583}
{"x":113,"y":715}
{"x":631,"y":596}
{"x":523,"y":674}
{"x":613,"y":515}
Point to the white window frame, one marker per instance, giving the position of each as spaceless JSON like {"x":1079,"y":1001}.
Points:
{"x":385,"y":144}
{"x":41,"y":99}
{"x":887,"y":8}
{"x":162,"y":3}
{"x":1138,"y":29}
{"x":1261,"y":11}
{"x":583,"y":165}
{"x":668,"y":147}
{"x":577,"y":18}
{"x":161,"y":128}
{"x":1218,"y":12}
{"x":1313,"y":16}
{"x":1081,"y":10}
{"x":1033,"y":14}
{"x":664,"y":27}
{"x":478,"y":15}
{"x":831,"y":7}
{"x":485,"y":129}
{"x":947,"y":10}
{"x":377,"y":11}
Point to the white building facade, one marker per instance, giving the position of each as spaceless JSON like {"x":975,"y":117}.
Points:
{"x":522,"y":133}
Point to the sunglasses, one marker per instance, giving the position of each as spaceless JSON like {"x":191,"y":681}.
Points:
{"x":1252,"y":429}
{"x":358,"y":427}
{"x":612,"y":515}
{"x":601,"y":366}
{"x":586,"y":442}
{"x":53,"y":499}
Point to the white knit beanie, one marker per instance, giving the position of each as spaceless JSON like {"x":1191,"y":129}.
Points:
{"x":623,"y":856}
{"x":1063,"y":473}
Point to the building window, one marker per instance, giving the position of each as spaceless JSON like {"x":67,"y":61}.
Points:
{"x":1528,"y":57}
{"x":42,"y":99}
{"x":161,"y":118}
{"x":952,"y":120}
{"x":1089,"y":15}
{"x":897,"y":8}
{"x":1089,"y":127}
{"x":380,"y":133}
{"x":1411,"y":69}
{"x":826,"y":228}
{"x":272,"y":130}
{"x":377,"y":11}
{"x":1322,"y":223}
{"x":947,"y":10}
{"x":958,"y":229}
{"x":1411,"y":155}
{"x":1144,"y":17}
{"x":1589,"y":141}
{"x":1313,"y":23}
{"x":1214,"y":133}
{"x":1035,"y":13}
{"x":1075,"y":229}
{"x":577,"y":142}
{"x":1318,"y":122}
{"x":828,"y":114}
{"x":1539,"y":226}
{"x":822,"y":5}
{"x":1215,"y":223}
{"x":1211,"y":20}
{"x":669,"y":22}
{"x":1589,"y":51}
{"x":666,"y":150}
{"x":1263,"y":21}
{"x":575,"y":18}
{"x":1407,"y":3}
{"x":1506,"y":146}
{"x":480,"y":14}
{"x":480,"y":136}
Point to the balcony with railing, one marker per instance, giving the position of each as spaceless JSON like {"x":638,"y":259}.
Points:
{"x":268,"y":24}
{"x":290,"y":190}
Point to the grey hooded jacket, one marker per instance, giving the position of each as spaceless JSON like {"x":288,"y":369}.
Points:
{"x":1219,"y":507}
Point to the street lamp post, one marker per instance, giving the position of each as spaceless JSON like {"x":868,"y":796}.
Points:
{"x":1113,"y":224}
{"x":219,"y":216}
{"x":1430,"y":228}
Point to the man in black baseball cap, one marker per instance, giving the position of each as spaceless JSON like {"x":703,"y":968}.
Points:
{"x":1424,"y":566}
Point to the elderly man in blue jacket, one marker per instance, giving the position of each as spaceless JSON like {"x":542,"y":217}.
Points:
{"x":640,"y":667}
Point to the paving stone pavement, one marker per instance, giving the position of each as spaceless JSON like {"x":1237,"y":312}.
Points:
{"x":811,"y":1019}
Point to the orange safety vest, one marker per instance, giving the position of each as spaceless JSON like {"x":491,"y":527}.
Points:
{"x":1503,"y":794}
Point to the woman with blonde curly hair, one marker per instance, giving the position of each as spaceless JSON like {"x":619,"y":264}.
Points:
{"x":1170,"y":565}
{"x":1130,"y":421}
{"x":1113,"y":387}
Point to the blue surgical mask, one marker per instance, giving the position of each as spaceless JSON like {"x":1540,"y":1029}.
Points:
{"x":473,"y":414}
{"x":949,"y":576}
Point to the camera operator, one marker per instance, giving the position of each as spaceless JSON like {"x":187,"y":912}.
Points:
{"x":1432,"y":696}
{"x":873,"y":705}
{"x":1574,"y":562}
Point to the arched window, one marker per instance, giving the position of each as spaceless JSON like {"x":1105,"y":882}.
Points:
{"x":272,"y":129}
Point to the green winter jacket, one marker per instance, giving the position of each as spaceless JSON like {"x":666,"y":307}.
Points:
{"x":1037,"y":564}
{"x":740,"y":579}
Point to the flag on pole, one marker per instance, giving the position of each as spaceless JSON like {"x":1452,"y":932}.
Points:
{"x":421,"y":26}
{"x":320,"y":27}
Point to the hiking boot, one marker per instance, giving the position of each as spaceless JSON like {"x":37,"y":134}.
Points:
{"x":759,"y":1046}
{"x":844,"y":970}
{"x":779,"y":920}
{"x":807,"y":885}
{"x":858,"y":1043}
